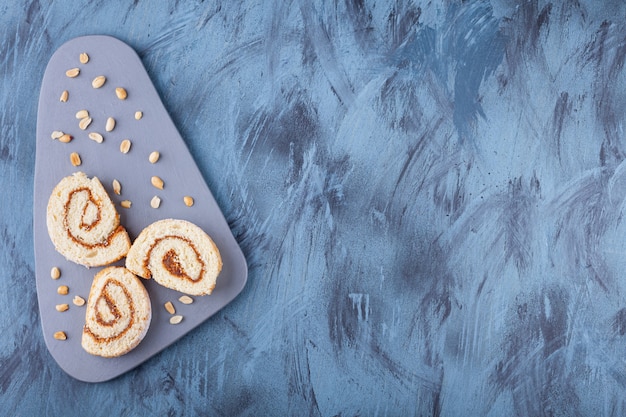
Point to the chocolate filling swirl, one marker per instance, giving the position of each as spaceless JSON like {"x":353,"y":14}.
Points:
{"x":110,"y":312}
{"x":173,"y":262}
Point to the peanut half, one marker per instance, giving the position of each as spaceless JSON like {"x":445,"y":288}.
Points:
{"x":155,"y":202}
{"x":157,"y":182}
{"x":98,"y":81}
{"x":96,"y":137}
{"x":78,"y":300}
{"x":154,"y":157}
{"x":110,"y":125}
{"x":185,"y":299}
{"x":75,"y":159}
{"x":65,"y":138}
{"x":121,"y":93}
{"x":55,"y":272}
{"x":73,"y":72}
{"x":60,"y":335}
{"x":125,"y":146}
{"x":84,"y":123}
{"x":62,"y":307}
{"x":117,"y":187}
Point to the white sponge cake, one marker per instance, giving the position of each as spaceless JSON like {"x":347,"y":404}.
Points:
{"x":178,"y":255}
{"x":118,"y":313}
{"x":83,"y":223}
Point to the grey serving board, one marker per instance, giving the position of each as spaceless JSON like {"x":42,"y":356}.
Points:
{"x":154,"y":131}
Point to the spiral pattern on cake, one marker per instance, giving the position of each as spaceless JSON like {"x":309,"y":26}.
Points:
{"x":178,"y":255}
{"x":118,"y":313}
{"x":83,"y":224}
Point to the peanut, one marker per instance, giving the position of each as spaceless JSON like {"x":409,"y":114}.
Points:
{"x":55,"y":273}
{"x":155,"y":202}
{"x":117,"y":187}
{"x":154,"y":157}
{"x":84,"y":123}
{"x":73,"y":72}
{"x":157,"y":182}
{"x":185,"y":299}
{"x":98,"y":81}
{"x":62,"y":307}
{"x":125,"y":146}
{"x":110,"y":125}
{"x":96,"y":137}
{"x":60,"y":335}
{"x":75,"y":159}
{"x":78,"y":300}
{"x":121,"y":93}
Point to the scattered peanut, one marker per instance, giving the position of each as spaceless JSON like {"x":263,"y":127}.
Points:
{"x":176,"y":319}
{"x":185,"y":299}
{"x":138,"y":115}
{"x":81,"y":114}
{"x":154,"y":157}
{"x":95,"y":136}
{"x":84,"y":58}
{"x":75,"y":159}
{"x":65,"y":138}
{"x":73,"y":72}
{"x":55,"y":273}
{"x":121,"y":93}
{"x":64,"y":96}
{"x":126,"y":203}
{"x":60,"y":335}
{"x":157,"y":182}
{"x":63,"y":290}
{"x":155,"y":202}
{"x":125,"y":146}
{"x":188,"y":200}
{"x":56,"y":134}
{"x":170,"y":307}
{"x":78,"y":300}
{"x":84,"y":123}
{"x":117,"y":187}
{"x":98,"y":81}
{"x":110,"y":125}
{"x":62,"y":307}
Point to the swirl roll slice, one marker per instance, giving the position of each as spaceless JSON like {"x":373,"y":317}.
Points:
{"x":178,"y":254}
{"x":83,"y":224}
{"x":118,"y":313}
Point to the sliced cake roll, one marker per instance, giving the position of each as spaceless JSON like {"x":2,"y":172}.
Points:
{"x":118,"y":313}
{"x":178,"y":255}
{"x":83,"y":223}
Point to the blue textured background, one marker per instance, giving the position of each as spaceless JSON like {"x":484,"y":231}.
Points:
{"x":430,"y":196}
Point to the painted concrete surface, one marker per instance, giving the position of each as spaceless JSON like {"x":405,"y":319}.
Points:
{"x":430,"y":196}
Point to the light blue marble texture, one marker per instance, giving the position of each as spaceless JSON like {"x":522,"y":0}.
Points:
{"x":430,"y":196}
